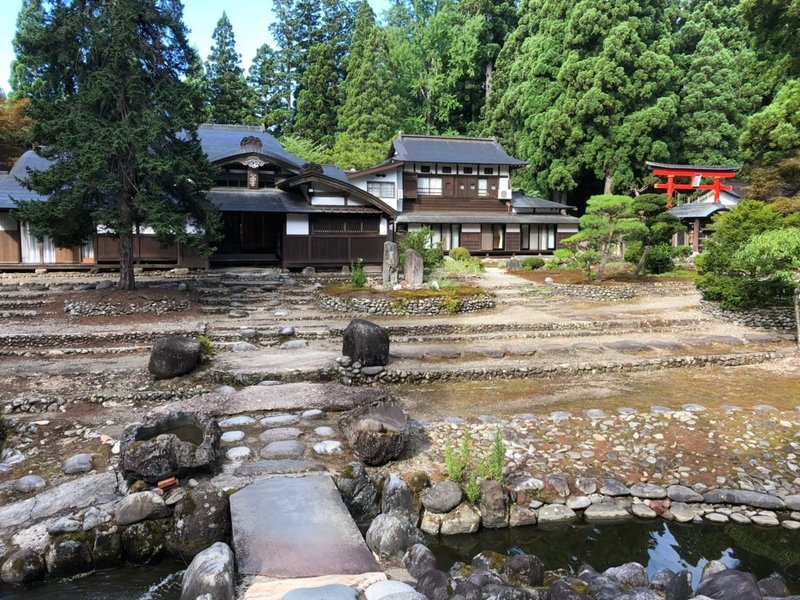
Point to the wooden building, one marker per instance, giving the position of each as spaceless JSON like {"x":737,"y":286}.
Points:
{"x":277,"y":211}
{"x":459,"y":187}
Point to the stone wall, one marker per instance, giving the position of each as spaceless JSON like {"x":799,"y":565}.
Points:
{"x":113,"y":309}
{"x":436,"y":305}
{"x":776,"y":318}
{"x":594,"y":293}
{"x":21,"y":340}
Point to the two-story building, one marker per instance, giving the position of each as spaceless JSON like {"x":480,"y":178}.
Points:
{"x":460,"y":188}
{"x":276,"y":209}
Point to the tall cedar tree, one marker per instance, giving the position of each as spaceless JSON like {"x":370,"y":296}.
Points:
{"x":368,"y":112}
{"x":230,"y":100}
{"x":116,"y":118}
{"x":26,"y":73}
{"x":318,"y":100}
{"x":269,"y":83}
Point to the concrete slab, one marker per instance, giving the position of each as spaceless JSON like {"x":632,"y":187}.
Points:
{"x":263,"y":588}
{"x":278,"y":467}
{"x":296,"y":527}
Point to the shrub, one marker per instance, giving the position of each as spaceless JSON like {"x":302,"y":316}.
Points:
{"x":207,"y":350}
{"x":473,"y":489}
{"x":459,"y":253}
{"x":357,"y":276}
{"x":659,"y":259}
{"x":531,"y":263}
{"x":492,"y":467}
{"x":421,"y":241}
{"x":684,"y":251}
{"x":469,"y":266}
{"x":456,"y":462}
{"x":735,"y":292}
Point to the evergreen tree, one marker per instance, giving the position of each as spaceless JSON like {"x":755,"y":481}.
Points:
{"x":15,"y":130}
{"x":230,"y":100}
{"x":271,"y":89}
{"x":120,"y":126}
{"x":368,"y":111}
{"x":318,"y":100}
{"x":25,"y":73}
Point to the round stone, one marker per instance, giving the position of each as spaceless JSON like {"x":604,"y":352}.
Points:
{"x":232,"y":436}
{"x":283,"y":449}
{"x":280,"y":420}
{"x":324,"y":431}
{"x":281,"y":433}
{"x":313,"y":414}
{"x":80,"y":463}
{"x":238,"y":453}
{"x":240,"y":421}
{"x":29,"y":483}
{"x":328,"y":447}
{"x":716,"y":517}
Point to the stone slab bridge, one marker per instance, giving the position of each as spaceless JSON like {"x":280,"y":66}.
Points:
{"x":295,"y":532}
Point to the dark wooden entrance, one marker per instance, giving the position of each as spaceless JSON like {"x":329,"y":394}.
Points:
{"x":251,"y":237}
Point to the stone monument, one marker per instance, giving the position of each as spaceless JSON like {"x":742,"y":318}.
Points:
{"x":413,"y":268}
{"x":390,"y":264}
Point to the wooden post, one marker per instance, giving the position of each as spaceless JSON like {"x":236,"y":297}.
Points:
{"x":670,"y":190}
{"x":696,"y":236}
{"x":716,"y":189}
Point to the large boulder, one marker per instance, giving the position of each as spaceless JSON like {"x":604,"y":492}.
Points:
{"x":202,"y":517}
{"x":419,"y":560}
{"x":730,"y":584}
{"x":523,"y":570}
{"x":493,"y":504}
{"x":177,"y":445}
{"x":143,"y":542}
{"x":68,"y":555}
{"x":141,"y":506}
{"x":442,"y":497}
{"x":173,"y":356}
{"x":377,"y":433}
{"x":22,"y":567}
{"x":359,"y":493}
{"x":366,"y":342}
{"x":107,"y":548}
{"x":391,"y":536}
{"x":398,"y":500}
{"x":210,"y":572}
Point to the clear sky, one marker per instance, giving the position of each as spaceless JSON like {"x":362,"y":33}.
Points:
{"x":250,"y":19}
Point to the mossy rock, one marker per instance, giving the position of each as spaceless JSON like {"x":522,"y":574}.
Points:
{"x":143,"y":542}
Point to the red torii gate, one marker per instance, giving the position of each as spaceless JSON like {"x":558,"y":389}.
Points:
{"x":695,"y":173}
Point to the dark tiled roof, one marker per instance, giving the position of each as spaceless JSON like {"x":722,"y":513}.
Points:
{"x":269,"y":200}
{"x":521,"y":201}
{"x":697,"y":210}
{"x":443,"y":149}
{"x":490,"y":219}
{"x":658,"y":165}
{"x":222,"y":141}
{"x":335,"y":172}
{"x":10,"y":187}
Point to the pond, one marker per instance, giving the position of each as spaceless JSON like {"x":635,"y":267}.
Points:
{"x":161,"y":581}
{"x":654,"y":544}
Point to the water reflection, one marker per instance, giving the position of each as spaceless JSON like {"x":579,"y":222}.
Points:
{"x":655,"y":544}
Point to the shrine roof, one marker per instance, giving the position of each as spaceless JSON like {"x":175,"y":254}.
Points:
{"x":697,"y":168}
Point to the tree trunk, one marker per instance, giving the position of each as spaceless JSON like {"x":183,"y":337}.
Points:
{"x":797,"y":313}
{"x":642,"y":260}
{"x":603,"y":262}
{"x":489,"y":70}
{"x":126,"y":277}
{"x":608,"y":184}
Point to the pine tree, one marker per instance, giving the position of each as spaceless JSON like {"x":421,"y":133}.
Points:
{"x":230,"y":100}
{"x":271,"y":89}
{"x":25,"y":73}
{"x":318,"y":100}
{"x":368,"y":112}
{"x":120,"y":126}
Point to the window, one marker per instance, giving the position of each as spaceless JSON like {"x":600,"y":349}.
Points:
{"x":447,"y":170}
{"x":455,"y":235}
{"x":231,"y":178}
{"x":381,"y":189}
{"x":429,"y":186}
{"x":425,"y":169}
{"x":525,"y":237}
{"x":467,"y":170}
{"x":498,"y":237}
{"x":344,"y":224}
{"x":483,"y":187}
{"x":488,"y":171}
{"x":547,"y":237}
{"x":266,"y":180}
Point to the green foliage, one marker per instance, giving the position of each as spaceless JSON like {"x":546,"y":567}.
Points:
{"x":318,"y":100}
{"x":492,"y":466}
{"x":470,"y":266}
{"x":459,"y":253}
{"x":230,"y":99}
{"x":473,"y":488}
{"x":774,"y":133}
{"x":531,"y":263}
{"x":134,"y":161}
{"x":451,"y":304}
{"x":751,"y":257}
{"x":207,"y":349}
{"x":585,"y":260}
{"x":421,"y":241}
{"x":358,"y":278}
{"x":350,"y":152}
{"x":368,"y":111}
{"x":272,"y":88}
{"x":15,"y":131}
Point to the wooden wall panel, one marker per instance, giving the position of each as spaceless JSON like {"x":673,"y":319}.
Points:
{"x":487,"y":242}
{"x":68,"y":255}
{"x":512,"y":242}
{"x":10,"y":250}
{"x":439,"y":204}
{"x":471,"y":241}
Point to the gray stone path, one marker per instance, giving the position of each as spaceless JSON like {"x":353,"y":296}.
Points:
{"x":296,"y":527}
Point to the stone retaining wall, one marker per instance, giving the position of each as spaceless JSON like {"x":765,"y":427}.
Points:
{"x":777,"y":318}
{"x":436,"y":305}
{"x":594,"y":293}
{"x":17,"y":340}
{"x":111,"y":309}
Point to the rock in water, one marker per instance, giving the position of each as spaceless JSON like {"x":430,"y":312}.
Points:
{"x":376,"y":433}
{"x":66,"y":556}
{"x":366,"y":342}
{"x":359,"y":493}
{"x":22,"y":567}
{"x":173,"y":356}
{"x":211,"y":572}
{"x":202,"y":518}
{"x":730,"y":584}
{"x":391,"y":536}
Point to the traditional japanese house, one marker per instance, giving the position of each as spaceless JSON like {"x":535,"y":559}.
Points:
{"x":277,"y":211}
{"x":459,"y":187}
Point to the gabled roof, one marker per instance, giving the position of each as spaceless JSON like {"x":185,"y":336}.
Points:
{"x":223,"y":141}
{"x":10,"y":187}
{"x":697,"y":210}
{"x":447,"y":149}
{"x":386,"y":165}
{"x":521,"y":201}
{"x":711,"y":168}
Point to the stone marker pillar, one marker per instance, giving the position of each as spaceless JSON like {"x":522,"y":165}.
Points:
{"x":413,"y":268}
{"x":390,"y":264}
